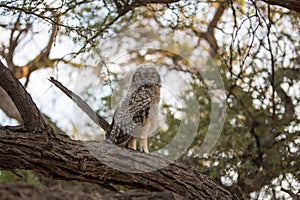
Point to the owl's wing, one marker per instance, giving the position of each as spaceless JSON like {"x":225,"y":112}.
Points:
{"x":119,"y":128}
{"x":139,"y":106}
{"x":132,"y":113}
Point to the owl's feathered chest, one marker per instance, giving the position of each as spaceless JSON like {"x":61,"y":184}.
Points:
{"x":143,"y":94}
{"x":143,"y":103}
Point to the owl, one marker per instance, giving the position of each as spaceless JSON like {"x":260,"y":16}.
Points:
{"x":136,"y":116}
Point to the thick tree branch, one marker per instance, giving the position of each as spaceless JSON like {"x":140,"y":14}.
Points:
{"x":59,"y":157}
{"x":15,"y":191}
{"x":31,"y":116}
{"x":289,"y":4}
{"x":82,"y":105}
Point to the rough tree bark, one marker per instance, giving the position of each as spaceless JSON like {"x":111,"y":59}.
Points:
{"x":25,"y":192}
{"x":59,"y":157}
{"x":37,"y":147}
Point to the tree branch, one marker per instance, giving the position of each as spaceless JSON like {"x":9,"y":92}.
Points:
{"x":289,"y":4}
{"x":82,"y":105}
{"x":57,"y":156}
{"x":209,"y":34}
{"x":14,"y":191}
{"x":42,"y":59}
{"x":293,"y":195}
{"x":31,"y":116}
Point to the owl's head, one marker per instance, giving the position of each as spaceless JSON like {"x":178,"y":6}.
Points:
{"x":145,"y":76}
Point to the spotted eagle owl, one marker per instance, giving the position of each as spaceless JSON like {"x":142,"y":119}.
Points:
{"x":136,"y":116}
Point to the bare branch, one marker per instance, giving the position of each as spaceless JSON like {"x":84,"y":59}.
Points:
{"x":293,"y":195}
{"x":41,"y":60}
{"x":52,"y":36}
{"x":82,"y":105}
{"x":209,"y":34}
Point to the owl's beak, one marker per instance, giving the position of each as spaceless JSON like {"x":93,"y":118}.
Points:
{"x":146,"y":81}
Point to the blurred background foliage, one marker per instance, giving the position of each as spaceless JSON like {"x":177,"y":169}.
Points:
{"x":254,"y":46}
